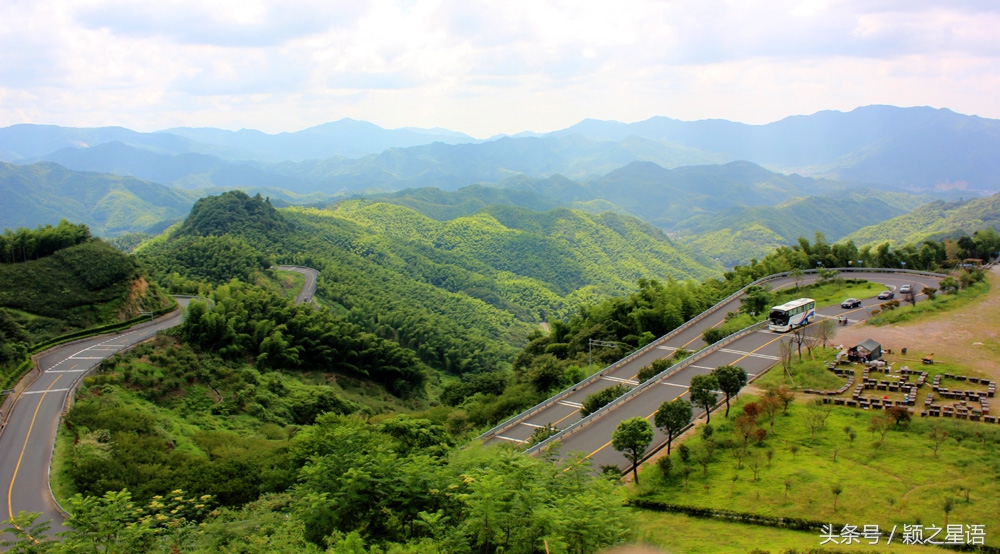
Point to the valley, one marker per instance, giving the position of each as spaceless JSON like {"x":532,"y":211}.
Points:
{"x":386,"y":352}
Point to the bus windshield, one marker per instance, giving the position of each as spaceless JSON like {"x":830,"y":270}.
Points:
{"x":779,"y":317}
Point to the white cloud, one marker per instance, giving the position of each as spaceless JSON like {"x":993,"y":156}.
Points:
{"x":486,"y":67}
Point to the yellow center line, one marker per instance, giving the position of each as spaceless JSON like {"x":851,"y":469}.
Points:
{"x":754,"y":351}
{"x":10,"y":490}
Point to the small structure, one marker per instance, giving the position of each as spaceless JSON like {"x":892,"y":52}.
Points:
{"x":867,"y":351}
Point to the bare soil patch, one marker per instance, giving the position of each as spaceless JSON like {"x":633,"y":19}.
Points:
{"x":969,"y":336}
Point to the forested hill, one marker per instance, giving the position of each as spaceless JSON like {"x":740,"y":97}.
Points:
{"x":740,"y":234}
{"x":935,"y":221}
{"x":463,"y":294}
{"x":55,"y":280}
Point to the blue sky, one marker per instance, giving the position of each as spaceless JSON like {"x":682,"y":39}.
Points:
{"x":486,"y":67}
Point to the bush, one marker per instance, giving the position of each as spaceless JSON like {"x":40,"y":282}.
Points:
{"x":596,"y":401}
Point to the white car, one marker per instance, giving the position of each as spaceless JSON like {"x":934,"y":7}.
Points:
{"x":905,"y":289}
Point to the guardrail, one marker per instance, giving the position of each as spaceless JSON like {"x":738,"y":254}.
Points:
{"x":590,"y":419}
{"x":510,"y":422}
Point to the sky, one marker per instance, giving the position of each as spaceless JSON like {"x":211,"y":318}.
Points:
{"x":486,"y":68}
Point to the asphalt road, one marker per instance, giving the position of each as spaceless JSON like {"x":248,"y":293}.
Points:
{"x":755,"y":353}
{"x":309,"y":288}
{"x":27,"y":441}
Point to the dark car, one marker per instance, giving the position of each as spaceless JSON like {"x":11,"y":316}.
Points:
{"x":886,"y":295}
{"x":850,"y":303}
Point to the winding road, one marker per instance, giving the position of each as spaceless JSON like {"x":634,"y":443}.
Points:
{"x":28,"y":438}
{"x":755,"y":352}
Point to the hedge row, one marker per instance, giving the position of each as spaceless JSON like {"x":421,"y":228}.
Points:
{"x":12,"y":378}
{"x":794,"y":523}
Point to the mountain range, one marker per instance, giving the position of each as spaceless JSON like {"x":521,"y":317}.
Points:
{"x":729,"y":189}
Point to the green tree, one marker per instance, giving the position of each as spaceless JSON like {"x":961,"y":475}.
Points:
{"x":672,"y":417}
{"x":632,"y":438}
{"x":730,"y":379}
{"x":28,"y":534}
{"x":703,"y":395}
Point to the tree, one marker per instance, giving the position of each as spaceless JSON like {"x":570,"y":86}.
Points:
{"x":880,"y":425}
{"x":730,"y":379}
{"x":816,"y":416}
{"x":937,"y":435}
{"x":948,"y":505}
{"x":786,"y":396}
{"x":785,"y":352}
{"x":632,"y":438}
{"x":836,"y":489}
{"x":788,"y":486}
{"x":769,"y":406}
{"x":826,"y":330}
{"x":28,"y":534}
{"x":756,"y":300}
{"x":703,"y":393}
{"x":672,"y":417}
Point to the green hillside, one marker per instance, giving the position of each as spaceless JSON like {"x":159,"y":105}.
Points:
{"x":740,"y":234}
{"x":934,"y":221}
{"x":108,"y":204}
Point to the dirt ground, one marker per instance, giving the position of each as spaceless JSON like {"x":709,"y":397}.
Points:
{"x":967,"y":337}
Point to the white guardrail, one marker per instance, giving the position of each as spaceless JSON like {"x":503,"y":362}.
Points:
{"x":512,"y":421}
{"x":645,"y":385}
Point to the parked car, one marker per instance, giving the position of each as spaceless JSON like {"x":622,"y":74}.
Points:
{"x":905,"y":289}
{"x":886,"y":295}
{"x":850,"y":303}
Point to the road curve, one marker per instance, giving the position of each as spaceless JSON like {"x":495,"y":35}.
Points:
{"x":27,"y":441}
{"x":755,"y":352}
{"x":308,"y":291}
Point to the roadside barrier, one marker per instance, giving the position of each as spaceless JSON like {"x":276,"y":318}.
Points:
{"x":512,"y":421}
{"x":590,"y":419}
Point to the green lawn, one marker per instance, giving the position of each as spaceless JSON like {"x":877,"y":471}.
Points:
{"x":290,"y":282}
{"x":831,"y":293}
{"x":941,"y":303}
{"x":681,"y":534}
{"x":900,"y":482}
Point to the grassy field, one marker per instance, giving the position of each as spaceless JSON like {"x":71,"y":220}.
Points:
{"x":831,"y":293}
{"x":290,"y":282}
{"x":892,"y":481}
{"x":941,"y":303}
{"x":681,"y":534}
{"x":811,"y":373}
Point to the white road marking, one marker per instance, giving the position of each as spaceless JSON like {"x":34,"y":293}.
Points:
{"x":570,"y":404}
{"x":536,"y":426}
{"x":44,"y":391}
{"x":620,"y":380}
{"x":675,"y":385}
{"x":67,"y":371}
{"x":667,"y":347}
{"x":753,"y":354}
{"x":511,"y":439}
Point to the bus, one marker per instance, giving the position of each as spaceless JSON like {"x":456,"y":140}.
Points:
{"x":796,"y":313}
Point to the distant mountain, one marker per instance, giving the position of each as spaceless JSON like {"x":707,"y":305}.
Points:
{"x":25,"y":142}
{"x":451,"y":166}
{"x":920,"y":148}
{"x":45,"y":192}
{"x":667,"y":197}
{"x":187,"y":171}
{"x":347,"y":138}
{"x":934,"y":221}
{"x":109,"y":204}
{"x":739,"y":235}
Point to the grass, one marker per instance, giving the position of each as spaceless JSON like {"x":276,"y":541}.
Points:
{"x":290,"y":282}
{"x":898,"y":482}
{"x":807,"y":374}
{"x":678,"y":533}
{"x":60,"y":481}
{"x":941,"y":303}
{"x":830,"y":293}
